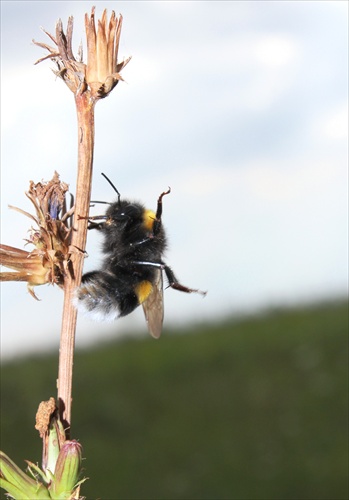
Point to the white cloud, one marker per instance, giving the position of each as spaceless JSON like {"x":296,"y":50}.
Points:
{"x":334,"y":124}
{"x":24,"y":89}
{"x":274,"y":182}
{"x":276,"y":51}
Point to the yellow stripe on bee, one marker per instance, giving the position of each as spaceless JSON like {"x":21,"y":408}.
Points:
{"x":143,"y":290}
{"x":148,"y":218}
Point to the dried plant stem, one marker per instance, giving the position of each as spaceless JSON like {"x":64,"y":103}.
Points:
{"x":85,"y":114}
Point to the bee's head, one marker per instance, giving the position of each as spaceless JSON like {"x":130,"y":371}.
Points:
{"x":124,"y":214}
{"x":129,"y":216}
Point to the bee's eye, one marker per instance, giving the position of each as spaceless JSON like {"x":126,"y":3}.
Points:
{"x":121,"y":217}
{"x":128,"y":214}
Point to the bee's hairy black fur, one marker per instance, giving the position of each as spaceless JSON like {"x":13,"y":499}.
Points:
{"x":134,"y":242}
{"x":126,"y":237}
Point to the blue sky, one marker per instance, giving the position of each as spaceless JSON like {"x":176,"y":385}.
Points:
{"x":241,"y":107}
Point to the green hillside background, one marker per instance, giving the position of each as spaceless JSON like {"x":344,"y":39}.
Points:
{"x":255,"y":408}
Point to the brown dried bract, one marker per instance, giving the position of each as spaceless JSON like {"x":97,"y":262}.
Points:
{"x":48,"y":262}
{"x":43,"y":416}
{"x":102,"y":71}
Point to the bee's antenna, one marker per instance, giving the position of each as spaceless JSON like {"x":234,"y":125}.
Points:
{"x":112,"y":185}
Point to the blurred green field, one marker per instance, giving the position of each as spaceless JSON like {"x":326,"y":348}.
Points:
{"x":248,"y":409}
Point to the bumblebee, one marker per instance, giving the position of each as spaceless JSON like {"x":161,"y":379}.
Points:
{"x":134,"y":242}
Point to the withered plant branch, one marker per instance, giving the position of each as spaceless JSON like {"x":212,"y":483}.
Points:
{"x":89,"y":83}
{"x":85,"y":116}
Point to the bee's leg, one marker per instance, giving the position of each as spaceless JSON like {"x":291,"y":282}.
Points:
{"x":174,"y":283}
{"x":159,"y":207}
{"x":157,"y":221}
{"x":94,"y":225}
{"x":171,"y":278}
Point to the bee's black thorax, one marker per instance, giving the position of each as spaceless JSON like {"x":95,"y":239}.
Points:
{"x":130,"y":233}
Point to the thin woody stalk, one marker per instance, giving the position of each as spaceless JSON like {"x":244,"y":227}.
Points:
{"x":85,"y":121}
{"x":89,"y":83}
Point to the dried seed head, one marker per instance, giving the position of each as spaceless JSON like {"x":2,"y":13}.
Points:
{"x":102,"y":71}
{"x":48,"y":262}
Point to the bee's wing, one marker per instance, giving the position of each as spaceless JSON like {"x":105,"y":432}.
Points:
{"x":153,"y":307}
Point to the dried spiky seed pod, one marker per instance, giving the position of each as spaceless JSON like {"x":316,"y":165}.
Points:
{"x":102,"y":71}
{"x":49,"y":261}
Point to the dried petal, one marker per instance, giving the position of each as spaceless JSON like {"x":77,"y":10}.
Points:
{"x":102,"y":71}
{"x":48,"y":262}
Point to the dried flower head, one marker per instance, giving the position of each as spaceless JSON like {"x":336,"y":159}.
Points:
{"x":49,"y":261}
{"x":102,"y":71}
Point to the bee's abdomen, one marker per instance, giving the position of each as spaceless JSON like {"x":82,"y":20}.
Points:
{"x":105,"y":297}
